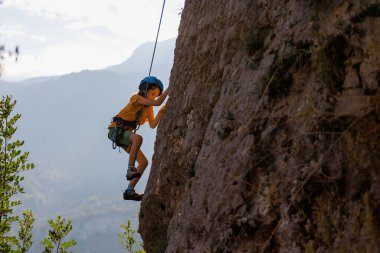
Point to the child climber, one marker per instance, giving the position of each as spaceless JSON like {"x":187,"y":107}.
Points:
{"x":122,"y":130}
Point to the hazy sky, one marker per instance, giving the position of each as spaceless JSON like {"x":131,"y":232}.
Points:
{"x":62,"y":36}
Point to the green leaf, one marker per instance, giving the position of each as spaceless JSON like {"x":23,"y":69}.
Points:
{"x":68,"y":244}
{"x":47,"y":243}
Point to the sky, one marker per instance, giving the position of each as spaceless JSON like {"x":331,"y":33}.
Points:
{"x":56,"y":37}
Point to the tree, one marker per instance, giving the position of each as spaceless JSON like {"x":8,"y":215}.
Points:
{"x":12,"y":163}
{"x":60,"y":229}
{"x":127,"y":239}
{"x":25,"y":231}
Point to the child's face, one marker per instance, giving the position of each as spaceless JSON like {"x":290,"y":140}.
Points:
{"x":153,"y":93}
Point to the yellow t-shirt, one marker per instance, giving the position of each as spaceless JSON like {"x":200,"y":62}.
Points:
{"x":130,"y":111}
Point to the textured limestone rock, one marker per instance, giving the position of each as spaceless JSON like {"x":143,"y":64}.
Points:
{"x":271,"y":137}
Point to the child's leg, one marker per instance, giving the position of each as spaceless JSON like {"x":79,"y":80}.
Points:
{"x":136,"y":141}
{"x":129,"y":193}
{"x":142,"y":164}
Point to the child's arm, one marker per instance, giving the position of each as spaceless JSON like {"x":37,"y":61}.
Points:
{"x":156,"y":102}
{"x":153,"y":122}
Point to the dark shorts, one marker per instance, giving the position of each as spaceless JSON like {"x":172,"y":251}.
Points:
{"x":124,"y":140}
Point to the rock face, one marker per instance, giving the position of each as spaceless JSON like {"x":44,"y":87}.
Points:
{"x":271,"y":137}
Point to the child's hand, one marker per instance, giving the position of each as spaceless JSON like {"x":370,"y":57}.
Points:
{"x":166,"y":92}
{"x":162,"y":109}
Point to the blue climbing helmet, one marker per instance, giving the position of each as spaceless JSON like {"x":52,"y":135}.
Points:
{"x":152,"y":80}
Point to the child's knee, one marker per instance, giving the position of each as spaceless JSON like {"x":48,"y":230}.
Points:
{"x":137,"y":138}
{"x":144,"y":163}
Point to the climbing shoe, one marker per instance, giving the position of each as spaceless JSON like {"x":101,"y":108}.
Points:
{"x":132,"y":195}
{"x":132,"y":173}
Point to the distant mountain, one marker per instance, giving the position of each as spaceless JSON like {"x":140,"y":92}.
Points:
{"x":142,"y":56}
{"x":64,"y":124}
{"x":8,"y":87}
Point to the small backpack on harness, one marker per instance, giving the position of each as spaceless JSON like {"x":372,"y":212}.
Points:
{"x":121,"y":126}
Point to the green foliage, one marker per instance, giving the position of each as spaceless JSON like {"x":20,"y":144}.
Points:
{"x":59,"y":230}
{"x":25,"y":231}
{"x":12,"y":163}
{"x":127,"y":239}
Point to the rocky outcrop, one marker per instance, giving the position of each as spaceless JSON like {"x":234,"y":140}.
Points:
{"x":271,"y":137}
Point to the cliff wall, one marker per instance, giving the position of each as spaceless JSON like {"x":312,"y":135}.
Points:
{"x":271,"y":137}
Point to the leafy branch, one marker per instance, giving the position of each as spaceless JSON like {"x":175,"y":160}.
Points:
{"x":60,"y":229}
{"x":12,"y":162}
{"x":127,"y":239}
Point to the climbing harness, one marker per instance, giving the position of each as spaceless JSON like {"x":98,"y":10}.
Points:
{"x":121,"y":126}
{"x":124,"y":123}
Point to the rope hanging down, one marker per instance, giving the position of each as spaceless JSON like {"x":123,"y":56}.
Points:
{"x":154,"y":50}
{"x":155,"y":44}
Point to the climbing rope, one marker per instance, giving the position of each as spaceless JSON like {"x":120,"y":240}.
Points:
{"x":154,"y":50}
{"x":155,"y":44}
